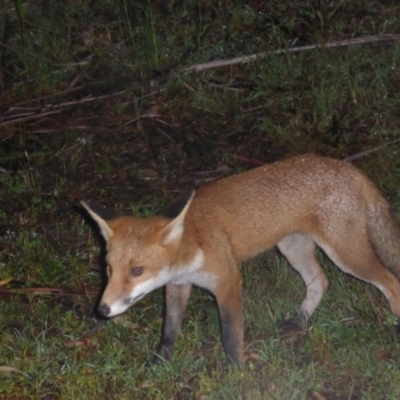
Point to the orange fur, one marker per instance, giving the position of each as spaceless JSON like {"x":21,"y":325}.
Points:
{"x":297,"y":204}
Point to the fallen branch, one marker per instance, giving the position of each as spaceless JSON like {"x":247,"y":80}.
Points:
{"x":257,"y":163}
{"x":254,"y":57}
{"x":32,"y":114}
{"x":41,"y":291}
{"x":57,"y":108}
{"x":100,"y":323}
{"x":369,"y":151}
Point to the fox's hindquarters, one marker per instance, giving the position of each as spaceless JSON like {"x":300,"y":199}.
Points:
{"x":384,"y":234}
{"x":365,"y":244}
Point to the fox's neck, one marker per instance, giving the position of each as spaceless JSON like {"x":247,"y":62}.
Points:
{"x":187,"y":251}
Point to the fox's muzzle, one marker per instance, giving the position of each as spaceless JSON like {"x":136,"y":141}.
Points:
{"x":104,"y":310}
{"x":117,"y":307}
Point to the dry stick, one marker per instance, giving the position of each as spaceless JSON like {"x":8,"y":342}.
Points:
{"x":88,"y":99}
{"x":369,"y":151}
{"x":45,"y":291}
{"x":217,"y":64}
{"x":349,"y":159}
{"x":144,"y":116}
{"x":59,"y":108}
{"x":253,"y":57}
{"x":32,"y":117}
{"x":338,"y":43}
{"x":97,"y":326}
{"x":60,"y":93}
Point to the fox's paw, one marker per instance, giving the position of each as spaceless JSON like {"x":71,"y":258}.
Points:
{"x":291,"y":325}
{"x":156,"y":359}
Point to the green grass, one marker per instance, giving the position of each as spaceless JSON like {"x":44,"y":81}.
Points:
{"x":44,"y":341}
{"x":165,"y":134}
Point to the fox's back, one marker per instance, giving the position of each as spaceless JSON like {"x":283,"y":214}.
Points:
{"x":292,"y":195}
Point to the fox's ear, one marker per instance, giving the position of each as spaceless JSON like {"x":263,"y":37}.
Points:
{"x":174,"y":230}
{"x":105,"y":229}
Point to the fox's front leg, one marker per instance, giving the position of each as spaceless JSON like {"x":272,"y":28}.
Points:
{"x":229,"y":299}
{"x":176,"y":297}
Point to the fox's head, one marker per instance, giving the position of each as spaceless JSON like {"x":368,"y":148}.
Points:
{"x":140,"y":252}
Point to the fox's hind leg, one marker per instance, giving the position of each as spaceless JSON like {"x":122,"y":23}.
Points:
{"x":300,"y":250}
{"x":356,"y":256}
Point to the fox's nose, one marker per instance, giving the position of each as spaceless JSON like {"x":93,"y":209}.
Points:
{"x":104,"y":310}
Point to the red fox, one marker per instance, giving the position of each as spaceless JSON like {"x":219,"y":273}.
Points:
{"x":297,"y":204}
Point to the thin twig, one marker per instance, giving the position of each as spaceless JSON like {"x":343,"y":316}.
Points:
{"x":99,"y":323}
{"x":43,"y":291}
{"x":253,"y":57}
{"x":369,"y":151}
{"x":30,"y":118}
{"x":60,"y":93}
{"x":144,"y":116}
{"x":59,"y":107}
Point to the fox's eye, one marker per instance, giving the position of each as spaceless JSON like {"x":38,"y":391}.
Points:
{"x":136,"y":271}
